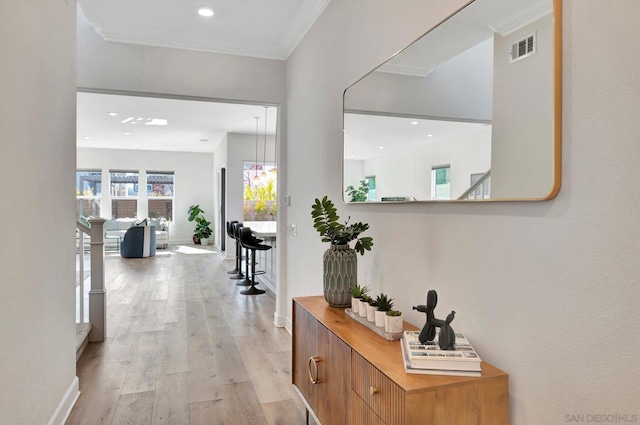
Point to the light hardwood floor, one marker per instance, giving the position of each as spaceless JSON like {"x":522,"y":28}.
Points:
{"x":185,"y":347}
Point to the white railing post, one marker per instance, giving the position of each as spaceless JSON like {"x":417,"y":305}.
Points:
{"x":81,"y":274}
{"x":97,"y":294}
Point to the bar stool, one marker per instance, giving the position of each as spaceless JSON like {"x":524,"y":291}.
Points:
{"x":238,"y":267}
{"x":235,"y":230}
{"x":253,"y":244}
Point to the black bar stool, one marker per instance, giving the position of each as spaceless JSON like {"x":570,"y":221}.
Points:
{"x":239,"y":230}
{"x":252,"y":244}
{"x":235,"y":230}
{"x":238,"y":268}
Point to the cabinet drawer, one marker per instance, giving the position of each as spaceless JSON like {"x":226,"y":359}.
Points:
{"x":377,"y":391}
{"x":361,"y":414}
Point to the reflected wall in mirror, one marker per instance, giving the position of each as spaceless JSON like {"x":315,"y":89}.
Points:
{"x":468,"y":112}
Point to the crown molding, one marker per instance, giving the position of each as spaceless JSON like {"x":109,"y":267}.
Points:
{"x":511,"y":22}
{"x":149,"y":36}
{"x":413,"y":71}
{"x":305,"y":17}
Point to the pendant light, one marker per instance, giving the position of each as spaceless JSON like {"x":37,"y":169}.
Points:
{"x":256,"y":179}
{"x":263,"y":176}
{"x":274,"y":170}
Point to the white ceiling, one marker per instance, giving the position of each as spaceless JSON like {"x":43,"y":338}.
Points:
{"x":267,"y":29}
{"x":192,"y":126}
{"x":474,"y":24}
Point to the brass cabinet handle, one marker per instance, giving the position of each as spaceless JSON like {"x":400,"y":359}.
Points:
{"x":373,"y":391}
{"x":313,"y":360}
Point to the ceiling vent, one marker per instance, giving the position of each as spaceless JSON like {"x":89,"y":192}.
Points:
{"x":523,"y":48}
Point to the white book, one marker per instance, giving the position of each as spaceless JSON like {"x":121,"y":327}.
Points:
{"x":429,"y":355}
{"x":409,"y":369}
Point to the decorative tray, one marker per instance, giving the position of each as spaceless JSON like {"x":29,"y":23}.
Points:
{"x":380,"y":331}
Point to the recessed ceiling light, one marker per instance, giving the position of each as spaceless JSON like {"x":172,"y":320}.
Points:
{"x":414,"y":122}
{"x":113,"y":114}
{"x":380,"y":147}
{"x":135,"y":146}
{"x":157,"y":121}
{"x":127,"y":134}
{"x":204,"y":140}
{"x":207,"y":12}
{"x":429,"y":135}
{"x":87,"y":138}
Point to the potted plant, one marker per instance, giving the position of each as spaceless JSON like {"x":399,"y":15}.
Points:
{"x":202,"y":232}
{"x":356,"y":293}
{"x":340,"y":260}
{"x":364,"y":303}
{"x":371,"y":310}
{"x":384,"y":304}
{"x":393,"y":322}
{"x":360,"y":194}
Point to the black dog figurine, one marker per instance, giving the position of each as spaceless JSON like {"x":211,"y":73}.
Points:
{"x":447,"y":337}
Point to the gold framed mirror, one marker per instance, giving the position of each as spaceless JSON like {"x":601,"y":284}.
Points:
{"x":469,"y":112}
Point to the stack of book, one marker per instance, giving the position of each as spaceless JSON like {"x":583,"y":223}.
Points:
{"x":429,"y":359}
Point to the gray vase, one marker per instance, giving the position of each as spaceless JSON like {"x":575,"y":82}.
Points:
{"x":340,"y":275}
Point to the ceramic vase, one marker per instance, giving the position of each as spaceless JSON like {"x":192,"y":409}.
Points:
{"x":355,"y":305}
{"x":362,"y":310}
{"x":395,"y":324}
{"x":340,"y":273}
{"x":380,"y":315}
{"x":371,"y":313}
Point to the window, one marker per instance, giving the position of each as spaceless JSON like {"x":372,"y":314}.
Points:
{"x":160,"y":194}
{"x":440,"y":183}
{"x":124,"y":193}
{"x":371,"y":182}
{"x":260,"y":199}
{"x":88,"y":193}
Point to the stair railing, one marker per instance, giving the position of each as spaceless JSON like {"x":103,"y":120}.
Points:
{"x":97,"y":294}
{"x":470,"y":193}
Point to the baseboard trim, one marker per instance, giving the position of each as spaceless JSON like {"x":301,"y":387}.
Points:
{"x":67,"y":402}
{"x":289,"y":326}
{"x":279,"y":320}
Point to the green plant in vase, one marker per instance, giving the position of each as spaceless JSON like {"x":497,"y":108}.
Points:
{"x":371,"y":310}
{"x":340,"y":260}
{"x":356,"y":293}
{"x":393,"y":321}
{"x":384,"y":304}
{"x":203,"y":230}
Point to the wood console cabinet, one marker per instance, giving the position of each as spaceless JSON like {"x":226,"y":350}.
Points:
{"x":346,"y":374}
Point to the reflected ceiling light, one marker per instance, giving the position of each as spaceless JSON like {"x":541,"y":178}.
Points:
{"x":113,"y":114}
{"x":205,"y":11}
{"x":157,"y":121}
{"x":126,"y":120}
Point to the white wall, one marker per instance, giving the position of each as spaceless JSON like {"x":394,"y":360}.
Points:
{"x":448,"y":91}
{"x":407,"y":172}
{"x":193,"y":181}
{"x":37,"y":162}
{"x":547,"y":291}
{"x":522,"y":161}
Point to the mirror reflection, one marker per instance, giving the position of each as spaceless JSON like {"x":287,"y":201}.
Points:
{"x":465,"y":113}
